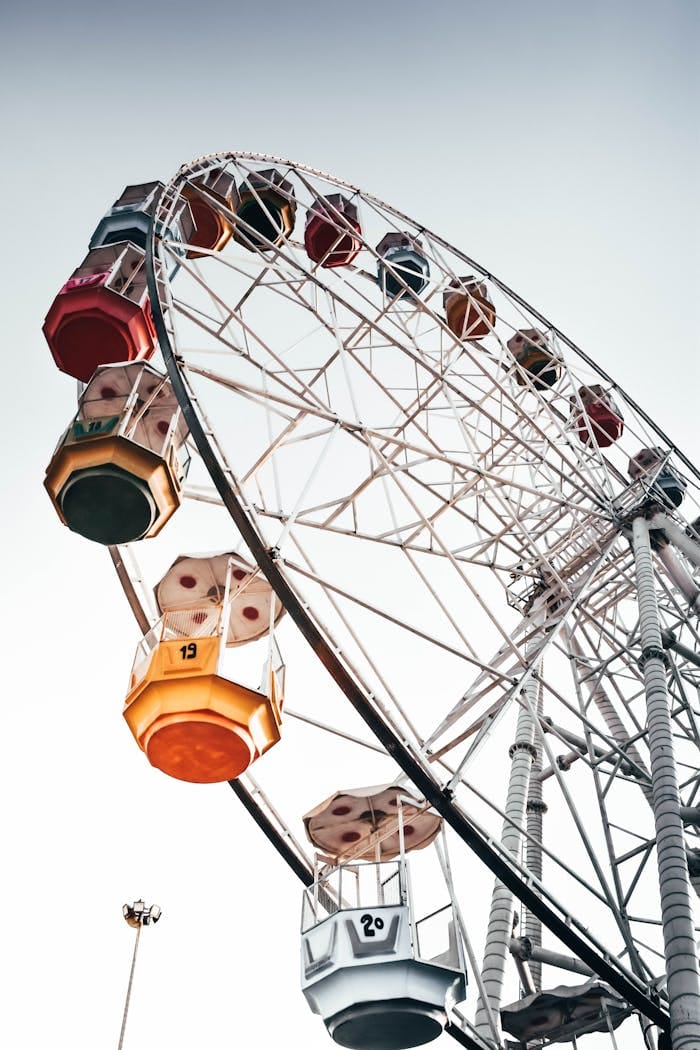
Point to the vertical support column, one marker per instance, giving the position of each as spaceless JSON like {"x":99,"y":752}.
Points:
{"x":500,"y":928}
{"x":676,"y":910}
{"x":536,"y":809}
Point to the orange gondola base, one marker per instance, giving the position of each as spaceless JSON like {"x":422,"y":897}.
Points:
{"x":469,"y":312}
{"x":213,"y":228}
{"x":194,"y":724}
{"x":107,"y":488}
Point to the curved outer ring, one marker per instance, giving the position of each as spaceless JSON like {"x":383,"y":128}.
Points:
{"x":441,"y":800}
{"x":214,"y":160}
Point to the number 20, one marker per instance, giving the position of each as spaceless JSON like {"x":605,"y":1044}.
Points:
{"x":367,"y":921}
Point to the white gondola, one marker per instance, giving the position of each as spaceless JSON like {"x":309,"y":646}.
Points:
{"x":199,"y":582}
{"x":369,"y":966}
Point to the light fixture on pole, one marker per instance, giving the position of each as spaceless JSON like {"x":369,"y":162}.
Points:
{"x":137,"y":914}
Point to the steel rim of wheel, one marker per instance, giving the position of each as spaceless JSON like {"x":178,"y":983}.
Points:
{"x":452,"y":549}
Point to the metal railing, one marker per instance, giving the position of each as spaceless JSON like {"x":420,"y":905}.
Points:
{"x":436,"y":938}
{"x":202,"y":622}
{"x":362,"y":885}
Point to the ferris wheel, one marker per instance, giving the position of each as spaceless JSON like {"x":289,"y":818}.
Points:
{"x":487,"y":554}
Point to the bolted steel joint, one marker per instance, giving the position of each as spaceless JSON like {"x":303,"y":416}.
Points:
{"x":652,"y":652}
{"x":522,"y":745}
{"x":521,"y":948}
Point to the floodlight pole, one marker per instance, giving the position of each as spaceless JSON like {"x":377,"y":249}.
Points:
{"x":136,"y":915}
{"x":128,"y":989}
{"x":676,"y":908}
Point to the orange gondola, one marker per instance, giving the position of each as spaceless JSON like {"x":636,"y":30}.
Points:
{"x":469,"y":311}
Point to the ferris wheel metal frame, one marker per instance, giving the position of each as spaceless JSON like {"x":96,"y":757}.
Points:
{"x":607,"y":565}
